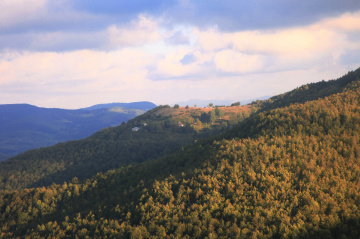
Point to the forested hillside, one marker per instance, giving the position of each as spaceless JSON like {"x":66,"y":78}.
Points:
{"x":312,"y":91}
{"x":161,"y":131}
{"x":24,"y":127}
{"x":291,"y":172}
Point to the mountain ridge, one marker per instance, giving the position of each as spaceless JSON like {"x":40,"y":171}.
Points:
{"x":288,"y":172}
{"x":308,"y":92}
{"x":142,"y":105}
{"x":162,"y":130}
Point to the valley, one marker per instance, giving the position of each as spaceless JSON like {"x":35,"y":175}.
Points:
{"x":24,"y":127}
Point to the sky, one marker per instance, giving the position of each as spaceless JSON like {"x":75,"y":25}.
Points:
{"x":74,"y":53}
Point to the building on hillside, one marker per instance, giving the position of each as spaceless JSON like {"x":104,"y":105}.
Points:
{"x":181,"y":124}
{"x":135,"y":129}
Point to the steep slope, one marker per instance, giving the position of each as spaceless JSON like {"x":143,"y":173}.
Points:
{"x":292,"y":172}
{"x":24,"y":127}
{"x":308,"y":92}
{"x":162,"y":130}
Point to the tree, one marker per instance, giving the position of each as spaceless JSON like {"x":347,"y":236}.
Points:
{"x":219,"y":112}
{"x":236,"y":104}
{"x":176,"y":106}
{"x":210,"y":105}
{"x":204,"y":117}
{"x":212,"y":116}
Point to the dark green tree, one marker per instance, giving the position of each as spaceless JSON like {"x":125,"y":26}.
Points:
{"x":219,"y":112}
{"x":212,"y":116}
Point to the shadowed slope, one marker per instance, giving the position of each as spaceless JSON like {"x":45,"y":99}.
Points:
{"x":24,"y":127}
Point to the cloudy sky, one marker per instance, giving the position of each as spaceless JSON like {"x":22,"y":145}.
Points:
{"x":76,"y":53}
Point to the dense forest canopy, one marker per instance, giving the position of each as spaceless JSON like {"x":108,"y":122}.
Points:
{"x":290,"y":172}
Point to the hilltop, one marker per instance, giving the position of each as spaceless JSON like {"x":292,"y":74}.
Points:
{"x":162,"y":130}
{"x":200,"y":118}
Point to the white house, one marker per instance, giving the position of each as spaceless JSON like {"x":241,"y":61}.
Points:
{"x":135,"y":129}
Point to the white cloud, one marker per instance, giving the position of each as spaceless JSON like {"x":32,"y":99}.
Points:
{"x":178,"y":38}
{"x":16,"y":11}
{"x":42,"y":25}
{"x":91,"y":72}
{"x":212,"y":39}
{"x":140,"y":32}
{"x":171,"y":66}
{"x":232,"y":61}
{"x":207,"y":64}
{"x":292,"y":42}
{"x":318,"y":45}
{"x":347,"y":22}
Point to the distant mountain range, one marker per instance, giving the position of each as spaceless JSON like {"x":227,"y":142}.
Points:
{"x":142,"y":105}
{"x":24,"y":126}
